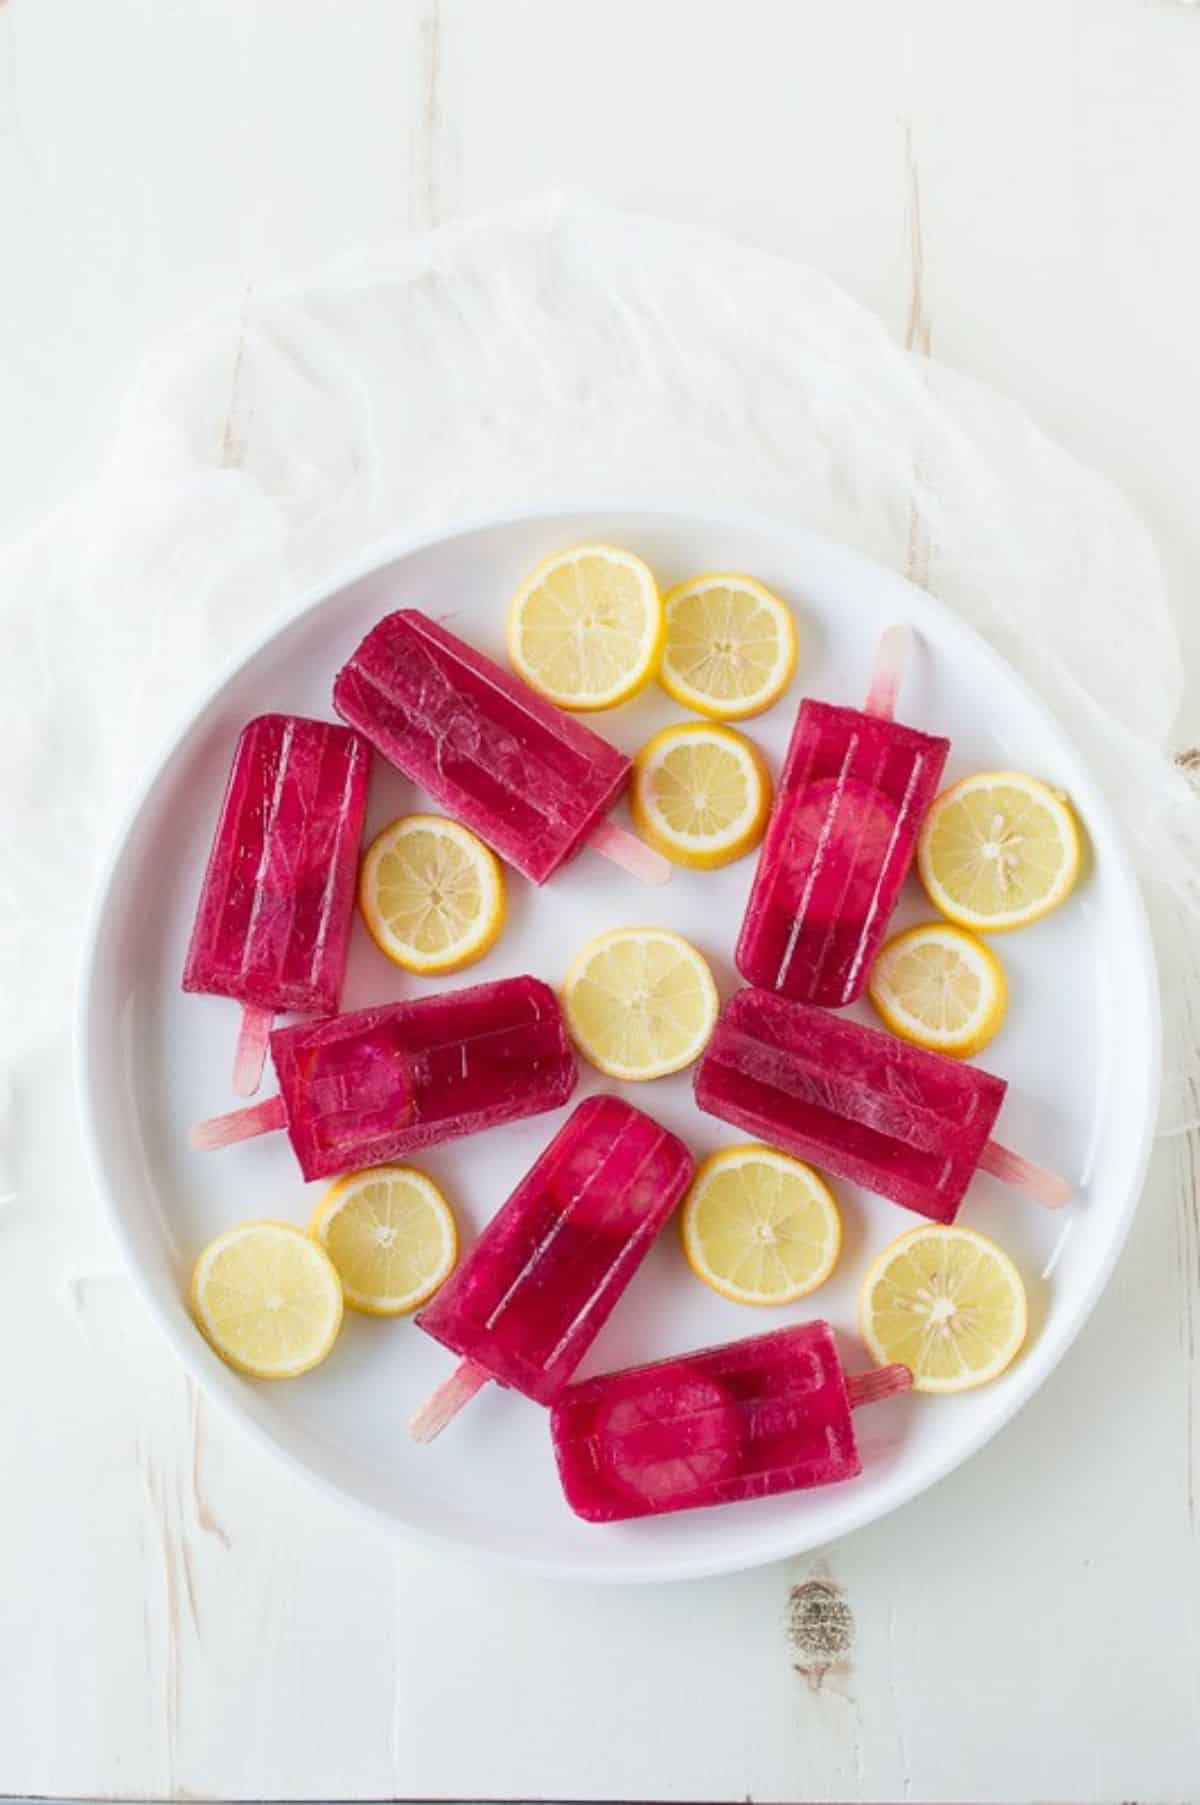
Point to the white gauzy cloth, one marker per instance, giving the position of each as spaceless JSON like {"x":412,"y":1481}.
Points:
{"x":550,"y":352}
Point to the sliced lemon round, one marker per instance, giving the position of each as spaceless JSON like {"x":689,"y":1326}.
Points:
{"x":945,"y":1302}
{"x":640,"y":1002}
{"x":999,"y":850}
{"x":760,"y":1227}
{"x":730,"y":646}
{"x":701,"y":794}
{"x":431,"y":894}
{"x":268,"y":1299}
{"x":391,"y":1235}
{"x":938,"y":986}
{"x":586,"y":627}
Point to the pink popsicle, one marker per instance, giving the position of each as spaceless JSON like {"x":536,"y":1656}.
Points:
{"x":839,"y":843}
{"x":273,"y":919}
{"x":755,"y":1417}
{"x":377,"y":1084}
{"x":908,"y":1124}
{"x":530,"y":1298}
{"x":532,"y":782}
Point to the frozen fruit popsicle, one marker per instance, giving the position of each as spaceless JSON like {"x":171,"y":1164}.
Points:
{"x":529,"y":1300}
{"x":839,"y":843}
{"x":911,"y":1125}
{"x":274,"y":913}
{"x":375,"y":1085}
{"x":770,"y":1414}
{"x":531,"y":781}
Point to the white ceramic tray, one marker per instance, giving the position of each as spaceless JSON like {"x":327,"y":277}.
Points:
{"x":1080,"y":1050}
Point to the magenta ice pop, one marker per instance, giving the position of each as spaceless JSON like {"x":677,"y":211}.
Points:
{"x":532,"y":1295}
{"x":533,"y":783}
{"x":908,"y":1124}
{"x":752,"y":1418}
{"x":839,"y":843}
{"x":273,"y":919}
{"x":376,"y":1084}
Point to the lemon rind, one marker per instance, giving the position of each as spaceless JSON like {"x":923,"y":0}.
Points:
{"x":199,"y":1316}
{"x":638,"y":679}
{"x":682,"y":692}
{"x":688,"y":850}
{"x":963,"y":1045}
{"x":611,"y":1068}
{"x":492,"y":922}
{"x":333,"y":1201}
{"x":721,"y":1161}
{"x":1057,"y":804}
{"x":937,"y":1231}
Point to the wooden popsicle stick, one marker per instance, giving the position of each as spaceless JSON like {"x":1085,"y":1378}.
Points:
{"x":883,"y":1382}
{"x":630,"y":853}
{"x":1036,"y":1182}
{"x":891,"y":662}
{"x":251,"y":1054}
{"x":239,"y":1125}
{"x":444,"y":1404}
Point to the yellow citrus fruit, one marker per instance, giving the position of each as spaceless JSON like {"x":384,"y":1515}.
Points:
{"x":268,"y":1299}
{"x":701,"y":794}
{"x":730,"y":646}
{"x":760,"y":1227}
{"x":640,"y":1002}
{"x":391,"y":1235}
{"x":586,"y":627}
{"x":938,"y":986}
{"x":431,"y":894}
{"x":945,"y":1302}
{"x":999,"y":850}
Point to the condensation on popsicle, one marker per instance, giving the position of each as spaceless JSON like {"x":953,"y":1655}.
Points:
{"x":909,"y":1124}
{"x":532,"y":782}
{"x":839,"y":843}
{"x":374,"y":1085}
{"x":530,"y":1298}
{"x":273,"y":920}
{"x":746,"y":1420}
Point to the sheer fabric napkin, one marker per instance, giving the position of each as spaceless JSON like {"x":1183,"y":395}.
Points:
{"x":557,"y":351}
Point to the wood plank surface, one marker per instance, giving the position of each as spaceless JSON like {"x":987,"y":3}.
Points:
{"x":1013,"y":188}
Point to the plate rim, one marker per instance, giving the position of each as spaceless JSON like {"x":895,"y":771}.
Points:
{"x":211,"y":1376}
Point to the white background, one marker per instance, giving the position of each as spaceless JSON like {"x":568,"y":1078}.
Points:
{"x":1015,"y":188}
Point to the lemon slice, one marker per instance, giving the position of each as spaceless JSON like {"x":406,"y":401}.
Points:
{"x":268,"y":1299}
{"x":701,"y":794}
{"x":759,"y":1227}
{"x":586,"y":627}
{"x":941,"y":988}
{"x":730,"y":646}
{"x":945,"y":1302}
{"x":391,"y":1235}
{"x":640,"y":1002}
{"x":999,"y":850}
{"x":431,"y":894}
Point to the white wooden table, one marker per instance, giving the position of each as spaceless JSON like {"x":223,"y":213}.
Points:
{"x":1014,"y":186}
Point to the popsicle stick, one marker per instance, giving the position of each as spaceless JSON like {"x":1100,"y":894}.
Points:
{"x":630,"y":853}
{"x":251,"y":1054}
{"x":891,"y":662}
{"x":239,"y":1125}
{"x":883,"y":1382}
{"x":443,"y":1405}
{"x":1036,"y":1182}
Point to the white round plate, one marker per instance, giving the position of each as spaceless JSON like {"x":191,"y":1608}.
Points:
{"x":1080,"y":1050}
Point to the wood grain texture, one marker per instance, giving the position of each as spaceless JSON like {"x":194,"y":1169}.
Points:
{"x":434,"y":142}
{"x":1007,"y":185}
